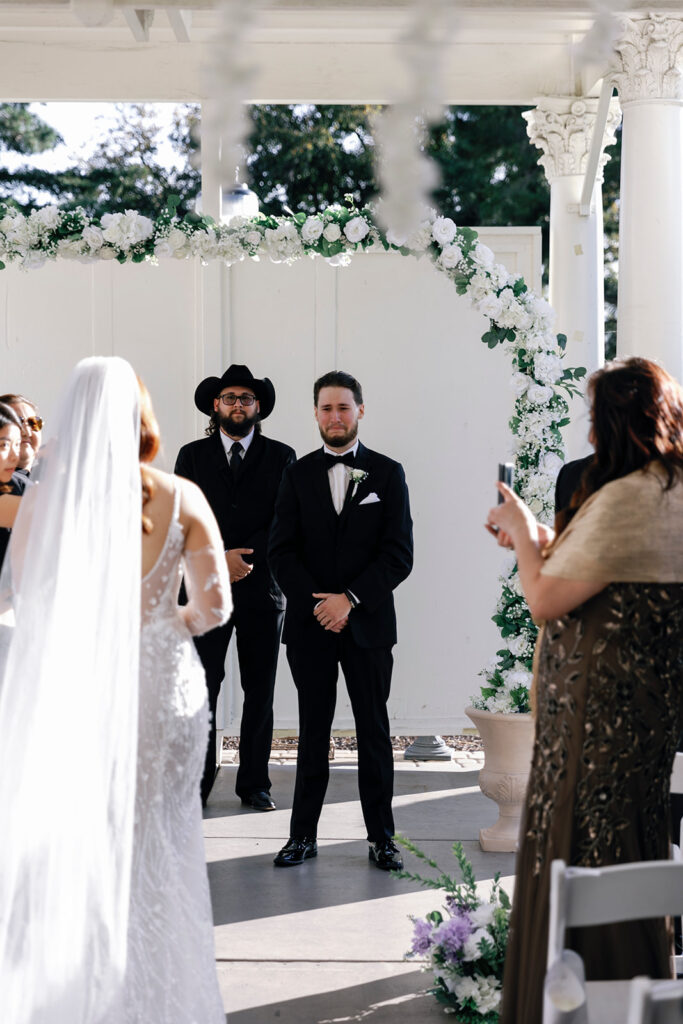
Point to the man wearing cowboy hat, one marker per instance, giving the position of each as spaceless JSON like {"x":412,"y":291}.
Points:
{"x":239,"y":470}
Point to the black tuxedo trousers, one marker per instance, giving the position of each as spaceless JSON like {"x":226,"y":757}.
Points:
{"x":315,"y":667}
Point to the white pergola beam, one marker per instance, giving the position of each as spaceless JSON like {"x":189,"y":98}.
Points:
{"x":139,"y":22}
{"x":180,"y":21}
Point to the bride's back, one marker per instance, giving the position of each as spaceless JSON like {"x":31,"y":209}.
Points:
{"x":159,"y":511}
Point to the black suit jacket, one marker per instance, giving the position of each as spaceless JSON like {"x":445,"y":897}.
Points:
{"x":243,"y":508}
{"x":568,"y":480}
{"x":367,"y":549}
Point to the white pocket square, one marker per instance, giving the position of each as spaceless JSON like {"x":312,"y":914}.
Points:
{"x":369,"y":499}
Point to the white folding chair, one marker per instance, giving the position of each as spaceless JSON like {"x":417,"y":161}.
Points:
{"x":655,"y":1002}
{"x":580,"y":897}
{"x":677,"y":848}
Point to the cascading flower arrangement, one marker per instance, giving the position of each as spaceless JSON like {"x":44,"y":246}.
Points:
{"x":519,"y":320}
{"x":463,"y":944}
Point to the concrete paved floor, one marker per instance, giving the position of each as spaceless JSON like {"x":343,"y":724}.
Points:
{"x":323,"y":943}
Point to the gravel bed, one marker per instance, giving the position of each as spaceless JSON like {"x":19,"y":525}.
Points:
{"x":468,"y":744}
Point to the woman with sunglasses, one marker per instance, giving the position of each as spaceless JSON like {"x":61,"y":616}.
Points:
{"x":31,"y":425}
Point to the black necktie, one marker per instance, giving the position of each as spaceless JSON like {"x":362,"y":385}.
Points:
{"x":349,"y":459}
{"x":236,"y":450}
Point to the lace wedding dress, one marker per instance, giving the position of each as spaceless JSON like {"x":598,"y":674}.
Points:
{"x":170,"y":972}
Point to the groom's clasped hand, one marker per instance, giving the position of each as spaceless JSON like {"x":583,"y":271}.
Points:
{"x":332,"y":611}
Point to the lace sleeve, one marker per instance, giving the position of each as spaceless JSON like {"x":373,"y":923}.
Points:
{"x":207,"y":583}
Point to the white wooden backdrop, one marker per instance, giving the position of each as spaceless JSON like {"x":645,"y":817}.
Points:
{"x":436,"y":399}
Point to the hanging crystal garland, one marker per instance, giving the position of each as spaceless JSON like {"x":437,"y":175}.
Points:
{"x":406,"y":176}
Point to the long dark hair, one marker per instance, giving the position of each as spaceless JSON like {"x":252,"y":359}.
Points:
{"x":8,"y":418}
{"x":637,"y":418}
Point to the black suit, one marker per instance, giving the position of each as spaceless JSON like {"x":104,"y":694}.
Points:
{"x":367,"y":549}
{"x":568,"y":480}
{"x":243,"y":506}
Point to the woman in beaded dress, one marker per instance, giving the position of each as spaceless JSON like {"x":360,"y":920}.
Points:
{"x":609,"y":675}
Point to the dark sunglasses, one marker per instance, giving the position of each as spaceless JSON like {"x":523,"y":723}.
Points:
{"x":34,"y":422}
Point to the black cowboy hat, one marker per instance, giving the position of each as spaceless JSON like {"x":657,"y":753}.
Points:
{"x":211,"y":387}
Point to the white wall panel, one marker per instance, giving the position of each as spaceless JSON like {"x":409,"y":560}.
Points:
{"x":436,"y":399}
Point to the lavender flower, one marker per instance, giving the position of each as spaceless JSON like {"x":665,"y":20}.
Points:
{"x":452,"y":934}
{"x":422,"y":936}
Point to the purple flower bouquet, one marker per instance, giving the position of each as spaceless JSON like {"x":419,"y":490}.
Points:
{"x":464,"y":943}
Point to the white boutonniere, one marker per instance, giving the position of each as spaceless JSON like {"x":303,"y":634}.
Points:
{"x":356,"y":476}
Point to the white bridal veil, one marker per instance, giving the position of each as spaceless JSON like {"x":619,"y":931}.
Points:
{"x":68,"y":710}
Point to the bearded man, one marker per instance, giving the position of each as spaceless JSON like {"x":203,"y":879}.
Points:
{"x":239,"y":470}
{"x":340,"y":544}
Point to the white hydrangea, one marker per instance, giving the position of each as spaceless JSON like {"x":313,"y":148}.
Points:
{"x":229,"y":249}
{"x":174,"y":244}
{"x":491,"y":306}
{"x":421,"y":239}
{"x":444,"y":230}
{"x":489,"y":996}
{"x":547,"y":367}
{"x":124,"y":230}
{"x":518,"y":676}
{"x":70,"y":249}
{"x":479,"y":286}
{"x":202,"y":243}
{"x":47,"y":216}
{"x":312,"y":229}
{"x":470,"y":950}
{"x":464,"y":988}
{"x":482,"y":915}
{"x":283,"y":242}
{"x":550,"y":463}
{"x":93,"y":237}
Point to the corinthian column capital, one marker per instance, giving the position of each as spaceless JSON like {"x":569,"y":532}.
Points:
{"x":562,"y":127}
{"x":648,"y":59}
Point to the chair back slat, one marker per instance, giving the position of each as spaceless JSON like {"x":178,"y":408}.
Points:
{"x":623,"y":892}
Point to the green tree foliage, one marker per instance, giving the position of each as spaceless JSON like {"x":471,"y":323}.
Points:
{"x":22,"y":131}
{"x":305,"y":157}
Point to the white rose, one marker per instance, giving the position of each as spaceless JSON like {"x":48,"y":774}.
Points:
{"x":488,"y":997}
{"x":547,"y":367}
{"x":550,"y":464}
{"x":518,"y":677}
{"x":464,"y":988}
{"x":332,"y":232}
{"x":519,"y":382}
{"x":483,"y":255}
{"x":47,"y":216}
{"x":491,"y":306}
{"x":539,"y":394}
{"x":450,"y":256}
{"x":70,"y":250}
{"x":163,"y":249}
{"x":141,"y":227}
{"x":112,"y":229}
{"x":422,"y":238}
{"x":479,"y":286}
{"x":106,"y":253}
{"x":93,"y":237}
{"x":443,"y":230}
{"x":517,"y":645}
{"x":312,"y":229}
{"x":253,"y":238}
{"x":395,"y":238}
{"x":356,"y":229}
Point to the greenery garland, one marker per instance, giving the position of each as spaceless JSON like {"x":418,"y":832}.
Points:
{"x":519,"y":320}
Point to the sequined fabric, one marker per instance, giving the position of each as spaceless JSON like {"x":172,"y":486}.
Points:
{"x":610,"y":708}
{"x":171,"y":974}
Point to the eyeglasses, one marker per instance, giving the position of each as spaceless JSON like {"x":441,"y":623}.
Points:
{"x":34,"y":422}
{"x":231,"y":399}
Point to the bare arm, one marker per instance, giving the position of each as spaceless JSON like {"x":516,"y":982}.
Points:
{"x":9,"y":506}
{"x":548,"y":597}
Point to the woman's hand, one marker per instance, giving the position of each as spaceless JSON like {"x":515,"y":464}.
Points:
{"x":512,"y":520}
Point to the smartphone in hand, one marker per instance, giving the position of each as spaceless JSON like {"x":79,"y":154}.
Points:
{"x":506,"y":475}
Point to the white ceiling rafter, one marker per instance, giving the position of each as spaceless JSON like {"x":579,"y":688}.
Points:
{"x":139,"y":21}
{"x":180,"y":21}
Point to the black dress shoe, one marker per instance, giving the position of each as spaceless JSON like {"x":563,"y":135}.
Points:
{"x":295,"y":851}
{"x":259,"y":800}
{"x":385,"y":856}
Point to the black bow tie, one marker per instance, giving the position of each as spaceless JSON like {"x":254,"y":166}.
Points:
{"x":349,"y":459}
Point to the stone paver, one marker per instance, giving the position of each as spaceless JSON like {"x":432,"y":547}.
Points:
{"x":324,"y":943}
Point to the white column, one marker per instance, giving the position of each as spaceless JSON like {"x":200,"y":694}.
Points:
{"x":562,"y":127}
{"x":648,"y":72}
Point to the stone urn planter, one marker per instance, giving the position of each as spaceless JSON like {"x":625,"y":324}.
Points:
{"x":508,"y":744}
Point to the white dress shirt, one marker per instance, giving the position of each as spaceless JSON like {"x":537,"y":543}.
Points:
{"x":339,"y":478}
{"x":228,"y":442}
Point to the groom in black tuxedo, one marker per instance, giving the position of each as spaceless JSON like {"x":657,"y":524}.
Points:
{"x":239,"y":470}
{"x":340,"y":543}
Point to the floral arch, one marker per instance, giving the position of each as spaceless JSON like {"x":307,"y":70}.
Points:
{"x":519,"y":320}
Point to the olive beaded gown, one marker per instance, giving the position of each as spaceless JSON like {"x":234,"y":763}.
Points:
{"x":610,"y":708}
